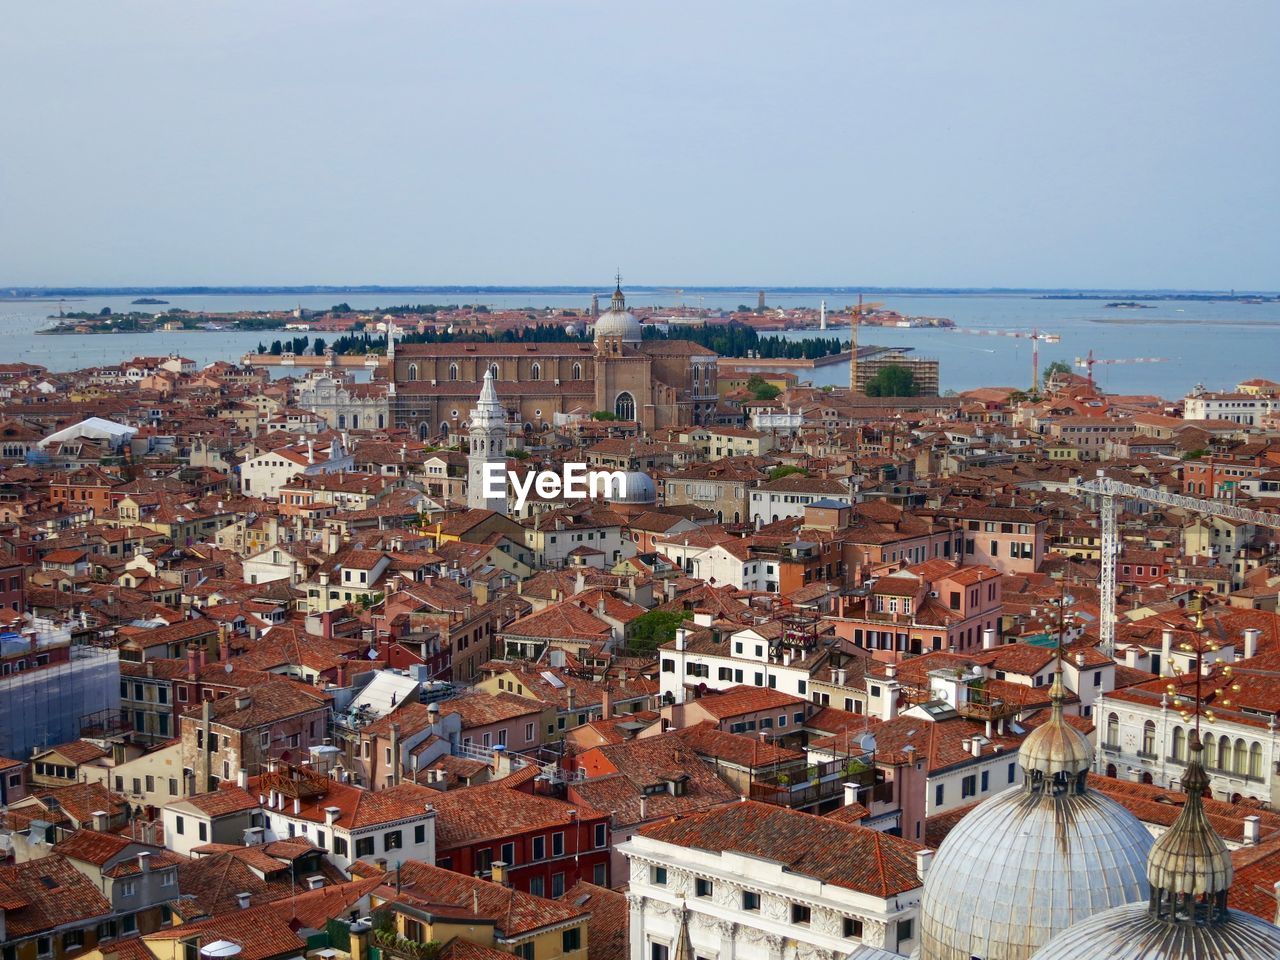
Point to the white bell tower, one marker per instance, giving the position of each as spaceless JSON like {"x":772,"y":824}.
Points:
{"x":488,"y":432}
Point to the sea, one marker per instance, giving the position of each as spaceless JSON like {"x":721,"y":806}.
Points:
{"x":1216,"y":344}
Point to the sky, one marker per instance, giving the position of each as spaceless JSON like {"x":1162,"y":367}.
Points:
{"x":1092,"y":144}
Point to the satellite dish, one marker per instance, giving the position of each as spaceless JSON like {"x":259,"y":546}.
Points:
{"x":867,"y":742}
{"x":228,"y":668}
{"x":220,"y":948}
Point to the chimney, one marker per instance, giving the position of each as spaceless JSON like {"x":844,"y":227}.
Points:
{"x":988,"y":639}
{"x":395,"y":754}
{"x":144,"y":860}
{"x":243,"y":701}
{"x":342,"y":672}
{"x":242,"y":899}
{"x":1252,"y":830}
{"x":1251,"y":636}
{"x":975,"y":747}
{"x":644,"y":809}
{"x":297,"y":805}
{"x":498,"y":873}
{"x":101,"y":821}
{"x":192,"y":662}
{"x":924,"y":860}
{"x":569,"y":698}
{"x":1166,"y":649}
{"x":606,"y":701}
{"x":850,"y":794}
{"x":242,"y":778}
{"x":311,"y":451}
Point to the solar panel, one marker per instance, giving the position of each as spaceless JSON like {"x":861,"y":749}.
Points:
{"x":552,"y":679}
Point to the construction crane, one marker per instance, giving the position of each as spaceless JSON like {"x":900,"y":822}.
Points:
{"x":1035,"y":336}
{"x":1108,"y":491}
{"x":1088,"y":362}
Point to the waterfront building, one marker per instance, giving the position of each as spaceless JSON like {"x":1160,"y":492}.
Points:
{"x":657,"y":383}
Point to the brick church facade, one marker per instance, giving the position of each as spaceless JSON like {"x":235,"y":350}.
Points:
{"x":658,"y":383}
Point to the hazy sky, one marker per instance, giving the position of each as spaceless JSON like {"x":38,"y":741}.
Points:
{"x":1130,"y":144}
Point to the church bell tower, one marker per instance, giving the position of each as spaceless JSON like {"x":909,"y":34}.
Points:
{"x":488,"y":432}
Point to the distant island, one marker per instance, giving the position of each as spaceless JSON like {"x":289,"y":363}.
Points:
{"x":148,"y":301}
{"x":1231,"y":297}
{"x":1129,"y":305}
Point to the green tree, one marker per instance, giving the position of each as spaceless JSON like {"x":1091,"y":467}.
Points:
{"x":651,"y":630}
{"x":777,"y":473}
{"x":892,"y":381}
{"x":1055,"y":368}
{"x":761,"y":389}
{"x":604,"y":415}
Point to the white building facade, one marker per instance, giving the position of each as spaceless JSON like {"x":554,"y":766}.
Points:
{"x":735,"y":906}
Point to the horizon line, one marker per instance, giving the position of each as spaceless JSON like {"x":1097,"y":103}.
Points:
{"x":17,"y":292}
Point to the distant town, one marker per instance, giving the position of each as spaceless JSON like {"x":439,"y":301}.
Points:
{"x":283,"y":675}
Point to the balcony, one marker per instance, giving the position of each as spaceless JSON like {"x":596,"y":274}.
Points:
{"x":806,"y":786}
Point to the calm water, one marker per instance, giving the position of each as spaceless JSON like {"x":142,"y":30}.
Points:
{"x":1217,"y":344}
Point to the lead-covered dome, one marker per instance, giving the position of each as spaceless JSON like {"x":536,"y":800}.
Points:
{"x":618,"y":321}
{"x":1033,"y":860}
{"x":639,"y":488}
{"x":1186,"y":917}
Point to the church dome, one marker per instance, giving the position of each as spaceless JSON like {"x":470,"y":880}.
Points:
{"x":1131,"y":933}
{"x":640,"y":489}
{"x":1186,"y":918}
{"x":1033,"y":860}
{"x":618,"y":321}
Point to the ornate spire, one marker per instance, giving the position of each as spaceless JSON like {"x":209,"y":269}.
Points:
{"x":1056,"y":756}
{"x":488,"y":393}
{"x":1189,"y":866}
{"x":619,"y":301}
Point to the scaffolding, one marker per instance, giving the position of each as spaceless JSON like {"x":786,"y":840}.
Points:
{"x":55,"y":704}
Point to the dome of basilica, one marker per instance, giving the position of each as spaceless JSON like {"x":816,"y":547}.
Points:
{"x":1186,"y":917}
{"x":1034,"y":860}
{"x":640,"y":488}
{"x":618,"y":321}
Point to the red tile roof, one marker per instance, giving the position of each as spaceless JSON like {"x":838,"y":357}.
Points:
{"x":845,"y":855}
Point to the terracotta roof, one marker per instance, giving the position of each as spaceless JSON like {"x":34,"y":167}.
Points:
{"x":514,"y":913}
{"x":742,"y":699}
{"x":494,"y":810}
{"x":610,"y":924}
{"x":41,"y":895}
{"x":845,"y":855}
{"x":261,"y":932}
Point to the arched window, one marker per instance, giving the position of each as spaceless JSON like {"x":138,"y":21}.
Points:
{"x":1255,"y":761}
{"x":382,"y":421}
{"x":577,"y":371}
{"x":1113,"y":729}
{"x":424,"y":431}
{"x":355,"y":421}
{"x":1242,"y":757}
{"x":625,"y":406}
{"x":1210,"y":751}
{"x":444,"y":428}
{"x":1179,"y":743}
{"x":413,"y":371}
{"x":493,"y":368}
{"x":453,"y":371}
{"x":535,"y":372}
{"x":342,"y":421}
{"x":1149,"y":737}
